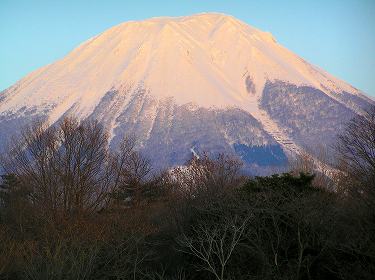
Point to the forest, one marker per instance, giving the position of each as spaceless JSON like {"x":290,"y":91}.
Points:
{"x":72,"y":208}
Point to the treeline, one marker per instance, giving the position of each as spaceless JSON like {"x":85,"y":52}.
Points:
{"x":71,"y":208}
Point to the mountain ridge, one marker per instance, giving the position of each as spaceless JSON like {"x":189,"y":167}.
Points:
{"x":152,"y":78}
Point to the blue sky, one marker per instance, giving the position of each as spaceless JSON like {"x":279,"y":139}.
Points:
{"x":337,"y":35}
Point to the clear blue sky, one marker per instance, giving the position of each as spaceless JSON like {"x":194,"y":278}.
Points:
{"x":337,"y":35}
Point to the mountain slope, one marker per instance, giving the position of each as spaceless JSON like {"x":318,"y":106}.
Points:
{"x":207,"y":80}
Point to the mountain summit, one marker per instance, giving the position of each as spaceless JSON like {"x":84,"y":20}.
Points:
{"x":206,"y":82}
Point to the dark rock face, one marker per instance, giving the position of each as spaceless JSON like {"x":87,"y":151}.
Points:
{"x":250,"y":86}
{"x":355,"y":101}
{"x":309,"y":115}
{"x":271,"y":155}
{"x":211,"y":131}
{"x":166,"y":132}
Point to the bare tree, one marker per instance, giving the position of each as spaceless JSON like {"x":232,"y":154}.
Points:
{"x":132,"y":170}
{"x":320,"y":165}
{"x":207,"y":176}
{"x":356,"y":148}
{"x":69,"y":168}
{"x":214,"y":244}
{"x":65,"y":166}
{"x":202,"y":182}
{"x":303,"y":162}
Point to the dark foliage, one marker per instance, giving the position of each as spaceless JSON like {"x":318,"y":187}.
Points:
{"x":202,"y":221}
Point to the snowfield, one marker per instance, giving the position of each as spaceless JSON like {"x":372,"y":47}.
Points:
{"x":205,"y":82}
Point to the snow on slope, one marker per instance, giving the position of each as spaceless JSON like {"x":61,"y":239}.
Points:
{"x":202,"y":59}
{"x":210,"y":61}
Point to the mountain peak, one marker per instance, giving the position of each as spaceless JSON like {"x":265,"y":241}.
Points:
{"x":204,"y":21}
{"x":207,"y":16}
{"x":208,"y":81}
{"x":210,"y":59}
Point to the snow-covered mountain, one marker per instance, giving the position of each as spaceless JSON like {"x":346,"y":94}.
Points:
{"x":206,"y":82}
